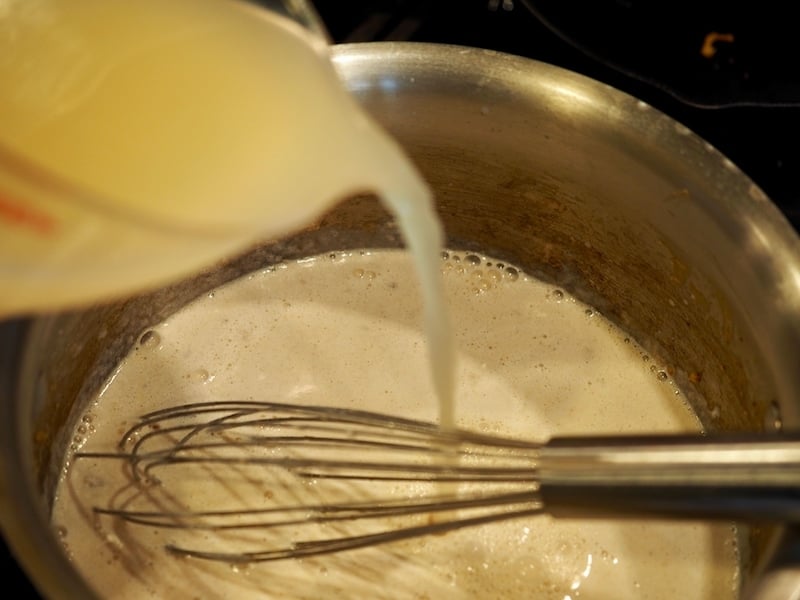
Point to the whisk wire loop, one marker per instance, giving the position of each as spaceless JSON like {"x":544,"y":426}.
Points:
{"x":339,"y":478}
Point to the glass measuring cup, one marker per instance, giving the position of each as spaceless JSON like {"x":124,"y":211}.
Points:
{"x":140,"y":142}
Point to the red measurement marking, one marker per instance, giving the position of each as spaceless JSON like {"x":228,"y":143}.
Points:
{"x":24,"y":216}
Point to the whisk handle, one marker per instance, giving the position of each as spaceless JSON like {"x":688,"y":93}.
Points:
{"x":742,"y":477}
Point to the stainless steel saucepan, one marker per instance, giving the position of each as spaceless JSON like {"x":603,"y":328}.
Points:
{"x":580,"y":184}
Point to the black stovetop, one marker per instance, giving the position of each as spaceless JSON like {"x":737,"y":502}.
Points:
{"x":727,"y":71}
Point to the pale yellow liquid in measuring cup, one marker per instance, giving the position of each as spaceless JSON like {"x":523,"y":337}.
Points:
{"x":142,"y":141}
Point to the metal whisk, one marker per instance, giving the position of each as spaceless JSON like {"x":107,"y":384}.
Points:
{"x":260,"y":481}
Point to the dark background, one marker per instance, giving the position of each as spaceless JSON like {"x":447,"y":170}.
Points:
{"x":742,"y":95}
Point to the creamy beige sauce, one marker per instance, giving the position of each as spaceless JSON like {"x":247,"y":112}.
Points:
{"x":346,"y":330}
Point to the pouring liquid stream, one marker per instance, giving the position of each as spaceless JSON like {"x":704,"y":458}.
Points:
{"x":140,"y":142}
